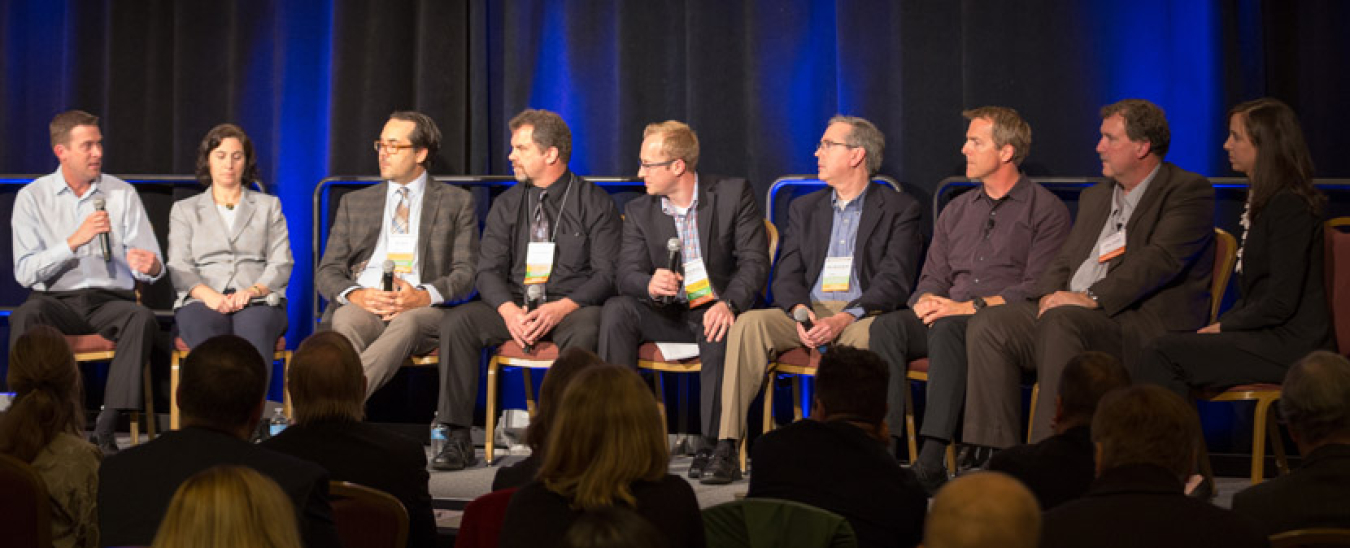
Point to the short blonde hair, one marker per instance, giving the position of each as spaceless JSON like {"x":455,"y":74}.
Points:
{"x":607,"y":435}
{"x":983,"y":509}
{"x":229,"y":506}
{"x":325,"y":380}
{"x":678,"y":141}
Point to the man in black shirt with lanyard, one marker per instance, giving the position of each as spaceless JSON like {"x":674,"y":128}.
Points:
{"x":555,"y":230}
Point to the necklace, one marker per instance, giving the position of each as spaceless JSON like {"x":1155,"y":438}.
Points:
{"x":228,"y":205}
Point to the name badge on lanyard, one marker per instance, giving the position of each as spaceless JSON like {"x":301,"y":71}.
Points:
{"x":1113,"y":246}
{"x":402,"y":250}
{"x":836,"y":275}
{"x":538,"y":262}
{"x":697,"y":289}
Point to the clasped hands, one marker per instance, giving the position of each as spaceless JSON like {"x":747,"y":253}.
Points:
{"x":389,"y":304}
{"x":527,"y":328}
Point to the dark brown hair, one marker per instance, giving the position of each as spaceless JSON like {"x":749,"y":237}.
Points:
{"x":326,"y":381}
{"x":48,"y":393}
{"x":1282,"y":158}
{"x":425,"y":134}
{"x":550,"y":131}
{"x":1147,"y":424}
{"x":570,"y":362}
{"x":68,"y":120}
{"x":1144,"y":121}
{"x":1087,"y":378}
{"x":223,"y":382}
{"x":212,"y":141}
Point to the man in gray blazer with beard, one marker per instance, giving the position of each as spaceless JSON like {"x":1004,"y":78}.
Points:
{"x":427,"y":229}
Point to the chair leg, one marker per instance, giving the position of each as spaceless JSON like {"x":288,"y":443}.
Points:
{"x":768,"y":404}
{"x":147,"y":388}
{"x":1031,"y":413}
{"x":135,"y":427}
{"x":796,"y":398}
{"x":661,"y":403}
{"x":528,"y":383}
{"x":285,"y":357}
{"x":173,"y":389}
{"x":491,"y":409}
{"x":951,"y":458}
{"x":1259,"y":441}
{"x":910,"y":435}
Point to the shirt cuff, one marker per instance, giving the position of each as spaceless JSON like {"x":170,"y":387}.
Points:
{"x":342,"y":297}
{"x":856,"y":312}
{"x":436,"y":297}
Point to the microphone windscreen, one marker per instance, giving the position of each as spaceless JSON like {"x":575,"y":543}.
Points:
{"x":100,"y":204}
{"x":673,"y":245}
{"x":388,"y":267}
{"x":801,"y":315}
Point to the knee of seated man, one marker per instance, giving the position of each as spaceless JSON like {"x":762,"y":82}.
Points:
{"x":1065,"y":319}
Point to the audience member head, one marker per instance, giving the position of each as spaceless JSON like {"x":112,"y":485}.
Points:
{"x":228,"y":507}
{"x":858,"y":135}
{"x":425,"y":134}
{"x":541,"y":145}
{"x":1315,"y":400}
{"x":1007,"y":129}
{"x":983,"y":510}
{"x":1266,"y":142}
{"x":78,"y":144}
{"x":570,"y":362}
{"x":326,"y":380}
{"x":607,"y":434}
{"x":223,"y":384}
{"x":1086,"y":378}
{"x":1146,"y":424}
{"x":851,"y":385}
{"x":214,"y":140}
{"x":48,"y":397}
{"x":613,"y":527}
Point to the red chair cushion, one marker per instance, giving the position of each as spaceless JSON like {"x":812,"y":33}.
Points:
{"x":181,"y":346}
{"x":800,"y":357}
{"x":543,"y":351}
{"x":81,"y":344}
{"x":652,"y":353}
{"x":919,"y":366}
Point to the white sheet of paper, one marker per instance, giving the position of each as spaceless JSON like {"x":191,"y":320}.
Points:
{"x":678,"y":351}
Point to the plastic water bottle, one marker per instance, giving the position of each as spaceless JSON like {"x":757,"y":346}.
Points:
{"x":439,"y":433}
{"x":279,"y":422}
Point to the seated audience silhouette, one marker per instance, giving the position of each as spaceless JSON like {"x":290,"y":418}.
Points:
{"x":605,"y":448}
{"x":42,"y":428}
{"x":328,"y":391}
{"x":838,"y":459}
{"x":613,"y":527}
{"x":1061,"y":468}
{"x":228,"y":506}
{"x":221,"y":400}
{"x":1147,"y":439}
{"x":570,"y":362}
{"x":1315,"y":402}
{"x":983,"y":510}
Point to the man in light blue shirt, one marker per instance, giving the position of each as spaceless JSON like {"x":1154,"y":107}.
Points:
{"x":81,"y":242}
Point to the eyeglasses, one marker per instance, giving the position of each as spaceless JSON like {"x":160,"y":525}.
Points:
{"x":826,"y":143}
{"x":391,"y":148}
{"x":644,"y":165}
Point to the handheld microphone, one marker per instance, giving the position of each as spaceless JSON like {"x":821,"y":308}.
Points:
{"x":532,"y":296}
{"x":387,"y":281}
{"x":673,"y":252}
{"x":104,"y":244}
{"x":272,"y":299}
{"x":803,"y":317}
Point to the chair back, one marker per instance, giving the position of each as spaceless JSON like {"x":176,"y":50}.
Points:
{"x":1337,"y":280}
{"x":25,"y":514}
{"x":367,"y":518}
{"x":1225,"y":255}
{"x":1311,"y":538}
{"x":772,"y":233}
{"x":481,"y":525}
{"x":757,"y":522}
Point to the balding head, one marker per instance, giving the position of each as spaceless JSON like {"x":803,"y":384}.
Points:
{"x":326,"y":381}
{"x":1315,"y":400}
{"x":983,"y":510}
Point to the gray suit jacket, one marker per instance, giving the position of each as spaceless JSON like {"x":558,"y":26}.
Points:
{"x":256,"y":250}
{"x":447,"y":241}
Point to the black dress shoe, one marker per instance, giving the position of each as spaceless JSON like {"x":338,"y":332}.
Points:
{"x":700,"y":463}
{"x":458,"y":454}
{"x":931,"y":479}
{"x":722,"y":468}
{"x":106,"y":444}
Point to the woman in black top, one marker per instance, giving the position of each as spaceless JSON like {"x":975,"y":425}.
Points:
{"x":605,"y":448}
{"x":1282,"y":313}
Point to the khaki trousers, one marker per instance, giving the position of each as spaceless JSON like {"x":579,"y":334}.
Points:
{"x":757,"y":337}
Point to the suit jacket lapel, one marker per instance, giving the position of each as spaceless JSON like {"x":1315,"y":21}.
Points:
{"x":662,"y":229}
{"x":707,"y":211}
{"x":243,"y":212}
{"x":373,"y":224}
{"x":818,"y":232}
{"x":431,"y":203}
{"x":207,"y":214}
{"x":871,"y":215}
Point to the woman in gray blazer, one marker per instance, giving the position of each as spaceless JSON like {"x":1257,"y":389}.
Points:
{"x":229,"y":250}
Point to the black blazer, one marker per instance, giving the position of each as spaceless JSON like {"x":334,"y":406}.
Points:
{"x":136,"y":485}
{"x":1143,"y":506}
{"x":1058,"y":469}
{"x":539,"y":518}
{"x":1283,"y":310}
{"x":731,"y":238}
{"x":886,"y":255}
{"x":838,"y":467}
{"x":368,"y":455}
{"x":1317,"y":494}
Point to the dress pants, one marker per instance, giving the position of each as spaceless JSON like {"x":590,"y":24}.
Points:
{"x":470,"y":327}
{"x":626,"y":322}
{"x":1004,"y":341}
{"x":899,"y":337}
{"x":260,"y":325}
{"x":757,"y":337}
{"x":1181,"y":361}
{"x":113,"y":314}
{"x":384,"y":346}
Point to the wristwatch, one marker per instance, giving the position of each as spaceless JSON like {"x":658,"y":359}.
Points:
{"x":979,"y":303}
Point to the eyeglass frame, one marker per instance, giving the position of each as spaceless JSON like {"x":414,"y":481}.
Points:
{"x":393,"y":148}
{"x":826,"y":143}
{"x":644,"y":165}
